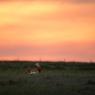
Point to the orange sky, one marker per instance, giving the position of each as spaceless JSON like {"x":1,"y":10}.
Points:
{"x":47,"y":29}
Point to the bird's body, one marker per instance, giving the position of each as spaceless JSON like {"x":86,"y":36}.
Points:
{"x":38,"y":67}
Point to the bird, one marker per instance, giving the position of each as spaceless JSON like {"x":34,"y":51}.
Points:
{"x":38,"y":67}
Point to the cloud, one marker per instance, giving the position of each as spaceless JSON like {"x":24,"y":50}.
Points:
{"x":81,"y":1}
{"x":70,"y":50}
{"x":70,"y":1}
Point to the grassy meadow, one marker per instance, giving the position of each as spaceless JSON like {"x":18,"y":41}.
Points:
{"x":57,"y":78}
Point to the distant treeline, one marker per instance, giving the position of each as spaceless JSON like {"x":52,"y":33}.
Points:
{"x":5,"y":65}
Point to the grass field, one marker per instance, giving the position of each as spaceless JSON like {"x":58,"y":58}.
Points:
{"x":55,"y":79}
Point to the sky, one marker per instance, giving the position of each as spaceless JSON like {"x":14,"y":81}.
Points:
{"x":53,"y":30}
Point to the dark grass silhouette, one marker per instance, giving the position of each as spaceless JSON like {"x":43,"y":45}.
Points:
{"x":57,"y":78}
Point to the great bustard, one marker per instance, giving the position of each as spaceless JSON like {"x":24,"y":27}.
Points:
{"x":35,"y":70}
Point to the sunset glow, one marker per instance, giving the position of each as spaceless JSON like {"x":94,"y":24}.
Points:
{"x":47,"y":30}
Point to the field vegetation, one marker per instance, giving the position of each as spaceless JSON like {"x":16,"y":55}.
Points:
{"x":56,"y":78}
